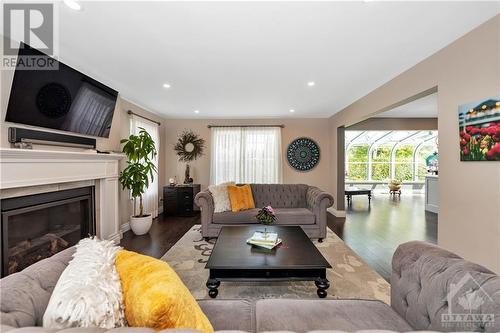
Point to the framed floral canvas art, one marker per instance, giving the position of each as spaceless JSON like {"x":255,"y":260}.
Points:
{"x":479,"y":130}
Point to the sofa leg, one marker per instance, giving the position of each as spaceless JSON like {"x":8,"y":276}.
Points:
{"x":206,"y":239}
{"x":320,"y":240}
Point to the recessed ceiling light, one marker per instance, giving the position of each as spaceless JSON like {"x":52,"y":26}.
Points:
{"x":311,"y":83}
{"x":166,"y":85}
{"x":292,"y":110}
{"x":196,"y":111}
{"x":73,"y":4}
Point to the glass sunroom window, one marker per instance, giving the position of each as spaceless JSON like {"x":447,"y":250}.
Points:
{"x":383,"y":155}
{"x":357,"y":166}
{"x":381,"y":162}
{"x":403,"y":160}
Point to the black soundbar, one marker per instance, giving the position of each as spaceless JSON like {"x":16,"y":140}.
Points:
{"x":28,"y":136}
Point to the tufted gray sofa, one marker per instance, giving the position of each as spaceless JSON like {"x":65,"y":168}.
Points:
{"x":423,"y":277}
{"x":294,"y":204}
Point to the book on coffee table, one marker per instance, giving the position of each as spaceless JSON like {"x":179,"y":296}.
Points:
{"x":268,"y":240}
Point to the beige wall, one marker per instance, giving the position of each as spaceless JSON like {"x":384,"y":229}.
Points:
{"x":393,"y":124}
{"x":120,"y":129}
{"x":316,"y":129}
{"x":469,"y":192}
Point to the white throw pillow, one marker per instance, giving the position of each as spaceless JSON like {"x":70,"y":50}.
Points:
{"x":221,"y":197}
{"x":88,"y":292}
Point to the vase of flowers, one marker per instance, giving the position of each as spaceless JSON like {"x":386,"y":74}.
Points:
{"x":266,"y":217}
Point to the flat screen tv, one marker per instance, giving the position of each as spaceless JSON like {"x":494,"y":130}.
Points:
{"x":62,"y":99}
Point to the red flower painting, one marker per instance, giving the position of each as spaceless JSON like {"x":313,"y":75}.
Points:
{"x":479,"y":134}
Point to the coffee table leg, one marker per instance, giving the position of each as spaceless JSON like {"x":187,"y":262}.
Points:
{"x":322,"y":284}
{"x":212,"y":285}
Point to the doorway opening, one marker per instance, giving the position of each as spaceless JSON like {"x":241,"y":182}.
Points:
{"x":391,"y":165}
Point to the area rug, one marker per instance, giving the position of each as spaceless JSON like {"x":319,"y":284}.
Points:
{"x":350,"y":276}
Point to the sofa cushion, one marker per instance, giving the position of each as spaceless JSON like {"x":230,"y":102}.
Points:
{"x":229,"y":314}
{"x":243,"y":217}
{"x":241,"y":197}
{"x":294,"y":216}
{"x":221,"y":197}
{"x":280,"y":195}
{"x":343,"y":315}
{"x":155,"y":296}
{"x":284,"y":216}
{"x":77,"y":300}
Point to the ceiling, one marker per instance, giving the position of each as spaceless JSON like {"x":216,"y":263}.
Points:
{"x":254,"y":59}
{"x":425,"y":107}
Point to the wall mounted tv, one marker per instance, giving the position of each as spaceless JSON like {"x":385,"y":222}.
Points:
{"x":62,"y":99}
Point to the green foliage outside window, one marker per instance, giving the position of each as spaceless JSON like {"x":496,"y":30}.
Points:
{"x":404,"y":153}
{"x":357,"y":166}
{"x":355,"y":155}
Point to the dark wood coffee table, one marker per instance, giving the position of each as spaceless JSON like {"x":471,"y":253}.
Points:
{"x":350,"y":191}
{"x":296,"y":259}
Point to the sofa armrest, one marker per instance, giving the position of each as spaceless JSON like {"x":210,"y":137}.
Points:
{"x":24,"y":295}
{"x":318,"y":201}
{"x":427,"y":283}
{"x":205,"y":201}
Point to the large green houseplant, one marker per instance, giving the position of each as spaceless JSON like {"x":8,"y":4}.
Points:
{"x":140,"y":150}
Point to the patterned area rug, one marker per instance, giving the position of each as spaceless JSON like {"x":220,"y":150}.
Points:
{"x":350,"y":276}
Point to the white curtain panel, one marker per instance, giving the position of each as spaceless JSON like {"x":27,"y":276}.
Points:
{"x":150,"y":197}
{"x":246,"y":155}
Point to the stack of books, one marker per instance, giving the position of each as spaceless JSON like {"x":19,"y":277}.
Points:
{"x":268,"y":240}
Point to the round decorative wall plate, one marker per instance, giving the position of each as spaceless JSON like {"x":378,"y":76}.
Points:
{"x":303,"y":154}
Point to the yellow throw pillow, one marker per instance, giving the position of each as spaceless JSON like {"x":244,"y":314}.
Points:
{"x":241,"y":197}
{"x":155,"y":297}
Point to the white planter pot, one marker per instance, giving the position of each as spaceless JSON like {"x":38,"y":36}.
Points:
{"x":141,"y":225}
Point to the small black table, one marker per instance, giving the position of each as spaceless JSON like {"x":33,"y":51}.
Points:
{"x":296,"y":259}
{"x":350,"y":191}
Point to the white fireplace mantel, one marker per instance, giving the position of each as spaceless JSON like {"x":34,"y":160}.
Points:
{"x":24,"y":169}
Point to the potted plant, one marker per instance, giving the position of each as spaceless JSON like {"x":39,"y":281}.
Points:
{"x":140,"y":151}
{"x":266,"y":217}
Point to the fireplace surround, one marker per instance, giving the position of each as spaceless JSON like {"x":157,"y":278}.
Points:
{"x":34,"y":227}
{"x":25,"y":172}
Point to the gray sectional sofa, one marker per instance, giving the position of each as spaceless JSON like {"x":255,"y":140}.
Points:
{"x":424,"y":277}
{"x":294,"y":204}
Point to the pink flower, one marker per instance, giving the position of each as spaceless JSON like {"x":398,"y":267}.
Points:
{"x":269,"y":209}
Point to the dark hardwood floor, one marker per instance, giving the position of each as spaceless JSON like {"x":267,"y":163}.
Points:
{"x":164,"y":233}
{"x":373,"y":232}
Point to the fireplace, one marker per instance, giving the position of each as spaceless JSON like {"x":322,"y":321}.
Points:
{"x":37,"y":226}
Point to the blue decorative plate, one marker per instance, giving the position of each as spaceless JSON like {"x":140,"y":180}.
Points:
{"x":303,"y":154}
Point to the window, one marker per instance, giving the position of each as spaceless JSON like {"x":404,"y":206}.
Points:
{"x":357,"y":166}
{"x":382,"y":155}
{"x":404,"y":162}
{"x":246,"y":155}
{"x":381,"y":158}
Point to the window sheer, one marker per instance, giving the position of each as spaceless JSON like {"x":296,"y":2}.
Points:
{"x":150,"y":197}
{"x":246,"y":155}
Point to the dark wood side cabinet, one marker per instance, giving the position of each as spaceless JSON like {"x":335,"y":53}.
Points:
{"x":179,"y":200}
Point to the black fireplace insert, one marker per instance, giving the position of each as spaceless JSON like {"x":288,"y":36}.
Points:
{"x":35,"y":227}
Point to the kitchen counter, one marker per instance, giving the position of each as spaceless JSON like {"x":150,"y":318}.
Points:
{"x":432,"y":193}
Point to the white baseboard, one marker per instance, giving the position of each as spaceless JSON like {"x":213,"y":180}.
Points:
{"x":125,"y":227}
{"x":115,"y":238}
{"x":336,"y":213}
